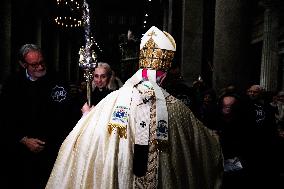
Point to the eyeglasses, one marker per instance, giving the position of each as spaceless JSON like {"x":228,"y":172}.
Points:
{"x":36,"y":65}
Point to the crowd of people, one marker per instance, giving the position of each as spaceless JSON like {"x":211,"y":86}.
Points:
{"x":152,"y":131}
{"x":249,"y":127}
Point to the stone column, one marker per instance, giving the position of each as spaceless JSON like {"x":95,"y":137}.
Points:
{"x":167,"y":16}
{"x":69,"y":59}
{"x":270,"y":59}
{"x":282,"y":73}
{"x":281,"y":62}
{"x":231,"y":42}
{"x":191,"y":39}
{"x":38,"y":32}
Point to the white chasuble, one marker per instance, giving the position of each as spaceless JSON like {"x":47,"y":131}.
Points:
{"x":97,"y":156}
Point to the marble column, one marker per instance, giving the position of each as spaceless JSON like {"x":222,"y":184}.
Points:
{"x":281,"y":62}
{"x":191,"y":39}
{"x":38,"y":31}
{"x":282,"y":73}
{"x":270,"y":59}
{"x":231,"y":43}
{"x":168,"y":16}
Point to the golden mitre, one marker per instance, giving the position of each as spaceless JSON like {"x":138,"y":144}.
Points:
{"x":156,"y":50}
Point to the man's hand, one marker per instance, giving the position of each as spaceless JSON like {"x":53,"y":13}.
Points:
{"x":33,"y":144}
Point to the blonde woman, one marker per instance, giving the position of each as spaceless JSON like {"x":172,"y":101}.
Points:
{"x":104,"y":82}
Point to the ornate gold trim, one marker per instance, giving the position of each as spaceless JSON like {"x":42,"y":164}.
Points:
{"x":121,"y":129}
{"x":151,"y":56}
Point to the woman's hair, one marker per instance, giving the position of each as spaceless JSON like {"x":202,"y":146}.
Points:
{"x":106,"y":66}
{"x":113,"y":82}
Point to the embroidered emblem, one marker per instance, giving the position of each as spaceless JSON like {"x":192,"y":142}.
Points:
{"x":162,"y":130}
{"x":259,"y":114}
{"x":143,"y":124}
{"x":152,"y":33}
{"x":120,"y":114}
{"x":58,"y":93}
{"x":119,"y":121}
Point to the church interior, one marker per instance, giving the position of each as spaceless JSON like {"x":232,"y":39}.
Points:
{"x":224,"y":42}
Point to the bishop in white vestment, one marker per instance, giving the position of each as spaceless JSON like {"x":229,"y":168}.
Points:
{"x":140,"y":136}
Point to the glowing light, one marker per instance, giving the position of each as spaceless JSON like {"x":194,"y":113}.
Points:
{"x":69,"y":13}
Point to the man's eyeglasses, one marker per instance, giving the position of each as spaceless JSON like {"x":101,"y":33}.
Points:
{"x":36,"y":65}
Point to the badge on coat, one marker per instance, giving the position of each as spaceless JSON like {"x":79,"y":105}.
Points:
{"x":58,"y":93}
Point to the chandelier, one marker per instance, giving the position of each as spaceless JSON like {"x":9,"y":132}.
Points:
{"x":69,"y":13}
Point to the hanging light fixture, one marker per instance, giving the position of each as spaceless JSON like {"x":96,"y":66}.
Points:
{"x":69,"y":13}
